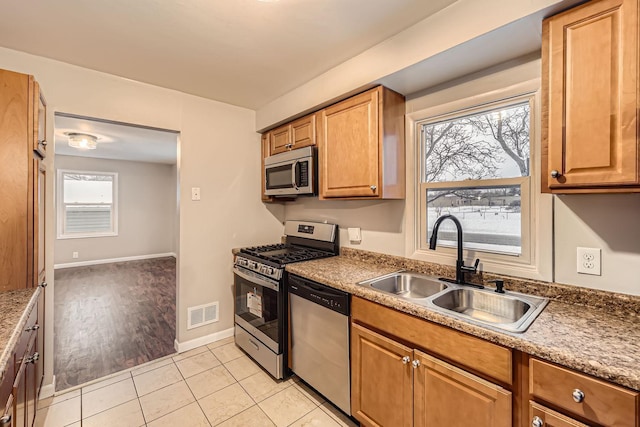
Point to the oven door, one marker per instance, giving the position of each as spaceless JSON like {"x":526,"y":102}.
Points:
{"x":259,"y":307}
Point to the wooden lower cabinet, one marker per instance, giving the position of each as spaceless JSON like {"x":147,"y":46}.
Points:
{"x":448,"y":396}
{"x":541,"y":416}
{"x":381,"y":389}
{"x":396,"y":385}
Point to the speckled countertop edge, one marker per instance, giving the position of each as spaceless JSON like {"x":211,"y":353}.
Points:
{"x":15,"y":307}
{"x":587,"y":338}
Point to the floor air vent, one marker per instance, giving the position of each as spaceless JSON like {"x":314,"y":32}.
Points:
{"x":202,"y":315}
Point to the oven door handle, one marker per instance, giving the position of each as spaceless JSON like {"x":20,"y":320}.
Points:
{"x":258,"y":280}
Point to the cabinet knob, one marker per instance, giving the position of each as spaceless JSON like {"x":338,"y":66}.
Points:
{"x":555,"y":174}
{"x":415,"y":364}
{"x":34,"y":358}
{"x":43,"y":284}
{"x":373,"y":187}
{"x":578,"y":395}
{"x":32,"y":328}
{"x":406,"y":360}
{"x":43,"y":143}
{"x":5,"y":420}
{"x":537,"y":422}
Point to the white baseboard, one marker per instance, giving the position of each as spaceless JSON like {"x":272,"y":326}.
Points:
{"x":110,"y":260}
{"x":181,"y":347}
{"x":48,"y":390}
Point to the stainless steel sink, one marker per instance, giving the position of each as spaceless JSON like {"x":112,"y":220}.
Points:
{"x":407,"y":285}
{"x":510,"y":311}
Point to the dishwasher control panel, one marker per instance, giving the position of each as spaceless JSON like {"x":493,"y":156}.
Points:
{"x":326,"y":296}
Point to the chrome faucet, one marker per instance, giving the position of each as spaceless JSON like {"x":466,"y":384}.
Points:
{"x":461,"y":269}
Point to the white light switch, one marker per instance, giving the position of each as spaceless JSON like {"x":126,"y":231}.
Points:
{"x":195,"y":193}
{"x":354,"y":235}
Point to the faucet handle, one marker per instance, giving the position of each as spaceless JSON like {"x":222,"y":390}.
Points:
{"x":470,"y":269}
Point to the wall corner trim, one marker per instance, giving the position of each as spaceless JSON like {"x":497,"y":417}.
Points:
{"x":48,"y":390}
{"x":181,"y":347}
{"x":110,"y":260}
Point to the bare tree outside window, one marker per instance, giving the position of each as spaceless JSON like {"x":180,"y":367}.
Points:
{"x":487,"y":146}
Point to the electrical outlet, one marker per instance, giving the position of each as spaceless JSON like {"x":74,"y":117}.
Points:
{"x":74,"y":255}
{"x":195,"y":193}
{"x":588,"y":261}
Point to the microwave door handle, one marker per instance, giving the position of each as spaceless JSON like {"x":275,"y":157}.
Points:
{"x":294,"y":177}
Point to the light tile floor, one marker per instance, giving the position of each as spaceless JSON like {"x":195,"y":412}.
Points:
{"x":207,"y":386}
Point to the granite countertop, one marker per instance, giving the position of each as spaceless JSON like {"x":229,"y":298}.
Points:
{"x":597,"y":341}
{"x":15,"y":306}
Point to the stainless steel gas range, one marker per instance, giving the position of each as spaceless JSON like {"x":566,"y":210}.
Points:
{"x":260,"y":290}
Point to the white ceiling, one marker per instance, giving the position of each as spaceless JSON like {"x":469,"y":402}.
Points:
{"x":242,"y":52}
{"x":117,"y":141}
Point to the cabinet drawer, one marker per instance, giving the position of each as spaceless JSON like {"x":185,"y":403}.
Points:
{"x":602,"y":403}
{"x":28,"y":331}
{"x":550,"y":418}
{"x":463,"y":349}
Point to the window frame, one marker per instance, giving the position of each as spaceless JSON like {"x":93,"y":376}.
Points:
{"x":536,"y":259}
{"x":60,"y":208}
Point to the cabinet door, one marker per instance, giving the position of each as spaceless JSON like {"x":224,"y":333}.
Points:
{"x":39,"y":215}
{"x":349,"y":147}
{"x":590,"y":67}
{"x":448,"y":396}
{"x":40,"y":338}
{"x":303,"y":132}
{"x":19,"y":398}
{"x":6,"y":417}
{"x":381,"y":389}
{"x":539,"y":416}
{"x":40,"y":121}
{"x":280,"y":139}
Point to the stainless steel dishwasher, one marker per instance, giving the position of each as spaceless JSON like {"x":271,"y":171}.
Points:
{"x":320,"y":339}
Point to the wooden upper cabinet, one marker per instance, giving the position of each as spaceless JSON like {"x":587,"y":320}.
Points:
{"x":20,"y":242}
{"x":590,"y":98}
{"x":39,"y":121}
{"x":297,"y":134}
{"x":361,"y":147}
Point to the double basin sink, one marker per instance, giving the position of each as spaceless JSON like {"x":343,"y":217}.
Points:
{"x":510,"y":311}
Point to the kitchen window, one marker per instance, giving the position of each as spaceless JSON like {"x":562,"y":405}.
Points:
{"x":87,"y":204}
{"x":475,"y":163}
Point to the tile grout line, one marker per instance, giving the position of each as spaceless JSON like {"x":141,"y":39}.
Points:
{"x":144,"y":418}
{"x":191,"y":391}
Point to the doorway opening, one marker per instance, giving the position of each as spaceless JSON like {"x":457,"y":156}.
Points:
{"x":116,"y":247}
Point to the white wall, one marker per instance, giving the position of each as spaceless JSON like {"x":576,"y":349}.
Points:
{"x":606,"y":221}
{"x":146,"y":211}
{"x":219,"y":152}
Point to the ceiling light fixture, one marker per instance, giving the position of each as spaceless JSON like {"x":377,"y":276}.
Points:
{"x":83,"y":141}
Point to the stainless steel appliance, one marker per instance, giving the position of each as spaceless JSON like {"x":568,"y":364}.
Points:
{"x":291,"y":173}
{"x":320,"y":339}
{"x":261,"y":294}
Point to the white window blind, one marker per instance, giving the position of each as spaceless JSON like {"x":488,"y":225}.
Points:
{"x":87,"y":206}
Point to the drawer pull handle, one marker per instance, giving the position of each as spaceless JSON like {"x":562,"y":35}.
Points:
{"x":578,"y":395}
{"x":5,"y":420}
{"x":537,"y":422}
{"x":415,"y":364}
{"x":406,"y":360}
{"x":32,"y":328}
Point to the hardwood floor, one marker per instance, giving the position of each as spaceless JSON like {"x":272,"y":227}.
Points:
{"x":111,"y":317}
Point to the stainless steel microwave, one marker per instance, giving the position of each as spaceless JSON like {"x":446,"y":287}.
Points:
{"x":291,"y":173}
